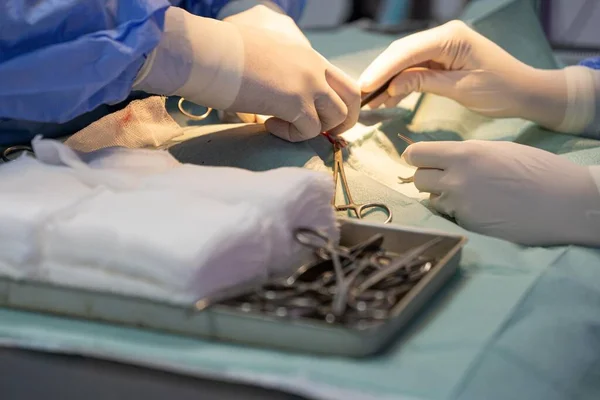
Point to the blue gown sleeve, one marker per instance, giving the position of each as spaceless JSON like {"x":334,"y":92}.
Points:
{"x":212,"y":8}
{"x":593,"y":129}
{"x":62,"y":58}
{"x":593,"y":63}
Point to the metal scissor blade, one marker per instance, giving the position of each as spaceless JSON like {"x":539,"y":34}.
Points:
{"x":397,"y":264}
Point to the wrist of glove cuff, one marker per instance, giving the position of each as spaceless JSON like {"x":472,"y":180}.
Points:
{"x":198,"y":58}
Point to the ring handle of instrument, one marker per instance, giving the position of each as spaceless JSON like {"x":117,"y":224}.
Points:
{"x":192,"y":116}
{"x":15,"y":150}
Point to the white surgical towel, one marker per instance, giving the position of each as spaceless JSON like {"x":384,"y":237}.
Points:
{"x":290,"y":197}
{"x":118,"y":168}
{"x":137,"y":222}
{"x":167,"y":240}
{"x":31,"y":193}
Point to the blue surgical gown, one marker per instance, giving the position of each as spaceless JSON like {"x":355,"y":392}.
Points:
{"x":69,"y":60}
{"x":593,"y":63}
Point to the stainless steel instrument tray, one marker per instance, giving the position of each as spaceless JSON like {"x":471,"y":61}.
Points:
{"x":220,"y":322}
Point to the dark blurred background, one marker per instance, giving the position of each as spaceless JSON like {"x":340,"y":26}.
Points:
{"x":570,"y":25}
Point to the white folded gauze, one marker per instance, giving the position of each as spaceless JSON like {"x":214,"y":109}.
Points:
{"x":142,"y":123}
{"x":152,"y":227}
{"x":99,"y":280}
{"x":116,"y":167}
{"x":174,"y":241}
{"x":289,"y":197}
{"x":31,"y":193}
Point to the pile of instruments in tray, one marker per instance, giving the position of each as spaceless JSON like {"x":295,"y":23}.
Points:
{"x":356,"y":286}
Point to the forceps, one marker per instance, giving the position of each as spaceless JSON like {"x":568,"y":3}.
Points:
{"x":359,"y":209}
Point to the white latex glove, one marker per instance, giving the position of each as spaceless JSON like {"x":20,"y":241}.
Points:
{"x":454,"y":61}
{"x":264,"y":17}
{"x":256,"y":71}
{"x":511,"y":191}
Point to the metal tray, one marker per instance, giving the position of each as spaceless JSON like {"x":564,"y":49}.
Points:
{"x":220,"y":322}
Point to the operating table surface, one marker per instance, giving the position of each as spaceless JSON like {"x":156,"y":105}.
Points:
{"x":524,"y":316}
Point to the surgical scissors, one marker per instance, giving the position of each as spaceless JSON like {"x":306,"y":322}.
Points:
{"x":359,"y":209}
{"x":10,"y":151}
{"x":190,"y":115}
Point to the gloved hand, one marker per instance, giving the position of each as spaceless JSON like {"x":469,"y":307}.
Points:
{"x":244,"y":69}
{"x":511,"y":191}
{"x":266,"y":18}
{"x":454,"y":61}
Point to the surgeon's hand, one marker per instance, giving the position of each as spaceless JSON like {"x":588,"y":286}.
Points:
{"x":295,"y":84}
{"x":245,"y":69}
{"x":454,"y":61}
{"x":511,"y":191}
{"x":264,"y":17}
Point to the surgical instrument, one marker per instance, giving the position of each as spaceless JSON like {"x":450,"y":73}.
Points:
{"x":358,"y":285}
{"x":310,"y":271}
{"x":11,"y":151}
{"x":338,"y":305}
{"x":397,"y":265}
{"x":366,"y":98}
{"x":359,"y":209}
{"x":410,"y":179}
{"x":190,"y":115}
{"x":406,"y":139}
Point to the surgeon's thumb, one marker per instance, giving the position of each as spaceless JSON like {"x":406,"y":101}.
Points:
{"x":424,"y":80}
